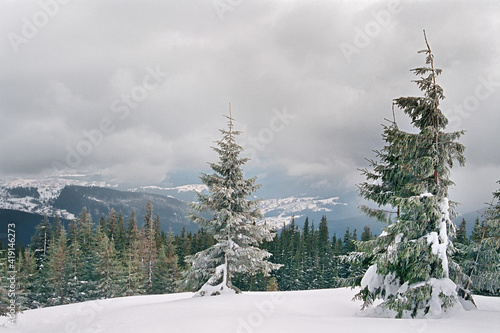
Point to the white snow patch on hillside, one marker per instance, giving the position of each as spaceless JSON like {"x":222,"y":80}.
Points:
{"x":317,"y":311}
{"x":179,"y":189}
{"x":192,"y":187}
{"x":290,"y":206}
{"x":298,"y":204}
{"x":276,"y":222}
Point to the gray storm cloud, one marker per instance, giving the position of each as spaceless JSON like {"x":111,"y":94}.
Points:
{"x":79,"y":89}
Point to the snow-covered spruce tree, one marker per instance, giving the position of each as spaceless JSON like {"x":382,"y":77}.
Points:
{"x":40,"y":241}
{"x":229,"y":214}
{"x":410,"y":267}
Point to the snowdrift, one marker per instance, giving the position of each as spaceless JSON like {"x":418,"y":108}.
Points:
{"x":329,"y":310}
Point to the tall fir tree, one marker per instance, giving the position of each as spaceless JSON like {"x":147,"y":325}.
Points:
{"x":133,"y":259}
{"x":183,"y":247}
{"x":112,"y":230}
{"x":166,"y":274}
{"x":349,"y":245}
{"x":231,"y":219}
{"x":289,"y":243}
{"x":478,"y":230}
{"x":325,"y":262}
{"x":58,"y":271}
{"x":461,"y":236}
{"x":337,"y":245}
{"x":120,"y":238}
{"x":110,"y":273}
{"x":84,"y":258}
{"x":149,"y":247}
{"x":29,"y":280}
{"x":410,"y":270}
{"x":367,"y":234}
{"x":40,"y":241}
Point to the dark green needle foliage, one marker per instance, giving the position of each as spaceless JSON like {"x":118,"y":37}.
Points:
{"x":409,"y":183}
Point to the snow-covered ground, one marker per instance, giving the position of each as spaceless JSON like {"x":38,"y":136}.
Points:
{"x":314,"y":311}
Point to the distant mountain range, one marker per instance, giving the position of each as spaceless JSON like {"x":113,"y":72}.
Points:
{"x":278,"y":212}
{"x":26,"y":201}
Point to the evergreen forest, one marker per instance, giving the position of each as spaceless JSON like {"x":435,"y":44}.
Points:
{"x":113,"y":257}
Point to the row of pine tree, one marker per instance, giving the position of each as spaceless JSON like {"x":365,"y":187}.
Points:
{"x":116,"y":258}
{"x":90,"y":262}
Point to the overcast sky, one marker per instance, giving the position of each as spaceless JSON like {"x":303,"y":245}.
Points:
{"x":136,"y":90}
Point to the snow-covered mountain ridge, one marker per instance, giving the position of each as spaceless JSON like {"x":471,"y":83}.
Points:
{"x":39,"y":194}
{"x":179,"y":189}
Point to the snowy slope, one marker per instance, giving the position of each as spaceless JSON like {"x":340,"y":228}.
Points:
{"x":315,"y":311}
